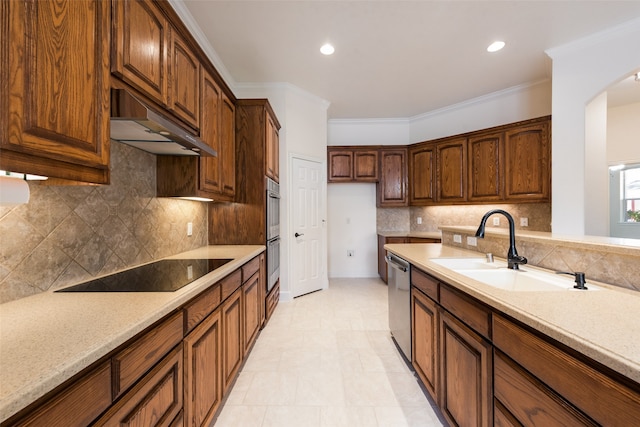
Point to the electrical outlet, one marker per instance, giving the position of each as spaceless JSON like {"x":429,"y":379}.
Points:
{"x":524,"y":222}
{"x":419,"y":220}
{"x":496,"y":220}
{"x":472,"y":241}
{"x":351,"y":253}
{"x":189,"y":229}
{"x":457,"y":238}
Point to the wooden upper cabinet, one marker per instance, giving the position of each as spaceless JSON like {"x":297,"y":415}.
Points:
{"x":210,"y":167}
{"x":422,"y":173}
{"x":352,"y":164}
{"x":140,"y":47}
{"x":184,"y":82}
{"x":54,"y":100}
{"x":486,"y":171}
{"x":392,"y":188}
{"x":228,"y":147}
{"x":528,"y":162}
{"x":452,"y":171}
{"x":272,"y":165}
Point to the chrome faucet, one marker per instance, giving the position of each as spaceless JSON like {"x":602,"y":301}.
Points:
{"x":513,"y":259}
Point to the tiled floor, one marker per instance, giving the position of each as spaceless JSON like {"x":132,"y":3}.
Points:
{"x":326,"y":359}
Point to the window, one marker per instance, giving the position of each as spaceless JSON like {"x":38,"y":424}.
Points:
{"x":630,"y":193}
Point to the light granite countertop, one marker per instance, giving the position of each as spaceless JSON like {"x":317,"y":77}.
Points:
{"x":47,"y":338}
{"x":602,"y":324}
{"x":421,"y":234}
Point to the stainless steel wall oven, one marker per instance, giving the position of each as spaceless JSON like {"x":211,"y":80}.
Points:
{"x":273,"y":233}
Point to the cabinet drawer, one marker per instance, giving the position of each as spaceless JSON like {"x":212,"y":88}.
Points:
{"x":250,"y":268}
{"x":230,"y":283}
{"x":596,"y":394}
{"x":427,"y":284}
{"x":78,"y":404}
{"x":528,"y":400}
{"x":134,"y":361}
{"x":203,"y":305}
{"x":466,"y":309}
{"x":154,"y":401}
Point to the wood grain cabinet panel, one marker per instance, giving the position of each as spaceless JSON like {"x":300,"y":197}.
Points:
{"x":365,"y":165}
{"x":77,"y":405}
{"x":391,"y":190}
{"x":232,"y":339}
{"x":486,"y":171}
{"x":452,"y":171}
{"x":528,"y":163}
{"x":340,"y":163}
{"x":424,"y":330}
{"x":184,"y":82}
{"x":352,"y":164}
{"x":138,"y":357}
{"x":203,"y":372}
{"x":155,"y":401}
{"x":422,"y":175}
{"x":251,"y":311}
{"x":272,"y":165}
{"x":466,"y":361}
{"x":55,"y":90}
{"x":140,"y":47}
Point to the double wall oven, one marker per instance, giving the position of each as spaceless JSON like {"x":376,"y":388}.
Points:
{"x":273,"y":233}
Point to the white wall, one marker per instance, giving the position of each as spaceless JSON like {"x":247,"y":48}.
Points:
{"x":303,"y":118}
{"x":352,"y":226}
{"x":623,"y":134}
{"x":369,"y":132}
{"x":582,"y":70}
{"x":595,"y":155}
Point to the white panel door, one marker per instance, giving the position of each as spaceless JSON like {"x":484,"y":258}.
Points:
{"x":308,"y":242}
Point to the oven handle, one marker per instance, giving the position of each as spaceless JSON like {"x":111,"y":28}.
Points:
{"x":274,"y":195}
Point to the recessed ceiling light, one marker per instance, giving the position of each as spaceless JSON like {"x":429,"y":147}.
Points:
{"x":327,"y":49}
{"x":495,"y":46}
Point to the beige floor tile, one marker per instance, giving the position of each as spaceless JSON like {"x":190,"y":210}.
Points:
{"x":292,"y":416}
{"x":327,"y":359}
{"x":348,"y":416}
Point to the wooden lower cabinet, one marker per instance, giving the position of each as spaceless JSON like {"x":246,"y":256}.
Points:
{"x":382,"y":240}
{"x":272,"y":300}
{"x":155,"y":401}
{"x":232,"y":342}
{"x":251,"y":308}
{"x":424,"y":330}
{"x":203,"y":372}
{"x":466,"y":371}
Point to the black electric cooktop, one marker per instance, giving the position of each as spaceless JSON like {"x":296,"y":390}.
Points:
{"x":166,"y":275}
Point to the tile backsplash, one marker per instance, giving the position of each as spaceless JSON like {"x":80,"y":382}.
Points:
{"x":68,"y":234}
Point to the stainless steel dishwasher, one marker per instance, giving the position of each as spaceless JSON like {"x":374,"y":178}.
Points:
{"x":399,"y":303}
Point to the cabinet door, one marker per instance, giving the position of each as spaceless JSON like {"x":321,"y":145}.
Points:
{"x":486,"y":167}
{"x":210,"y":167}
{"x":424,"y":329}
{"x":392,"y":188}
{"x":251,"y":309}
{"x":140,"y":47}
{"x":184,"y":86}
{"x":527,"y":161}
{"x":452,"y":171}
{"x":155,"y":401}
{"x":203,"y":372}
{"x":232,"y":343}
{"x":365,"y":166}
{"x":466,"y":362}
{"x":422,"y":173}
{"x":54,"y":105}
{"x":228,"y":147}
{"x":273,"y":150}
{"x":340,"y":165}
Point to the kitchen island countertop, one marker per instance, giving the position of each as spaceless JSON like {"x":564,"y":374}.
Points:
{"x":46,"y":339}
{"x":601,"y":324}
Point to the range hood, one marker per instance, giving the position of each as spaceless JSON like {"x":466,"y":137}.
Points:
{"x":136,"y":124}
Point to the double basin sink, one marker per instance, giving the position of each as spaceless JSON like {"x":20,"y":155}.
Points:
{"x":497,"y":275}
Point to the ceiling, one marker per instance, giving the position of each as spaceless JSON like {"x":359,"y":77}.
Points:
{"x":397,"y":59}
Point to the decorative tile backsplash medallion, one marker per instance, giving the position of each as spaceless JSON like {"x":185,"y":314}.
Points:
{"x":68,"y":234}
{"x":615,"y":265}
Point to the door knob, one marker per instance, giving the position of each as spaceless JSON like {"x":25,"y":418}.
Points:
{"x":299,"y":234}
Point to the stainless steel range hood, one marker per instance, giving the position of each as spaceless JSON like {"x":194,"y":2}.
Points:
{"x":136,"y":124}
